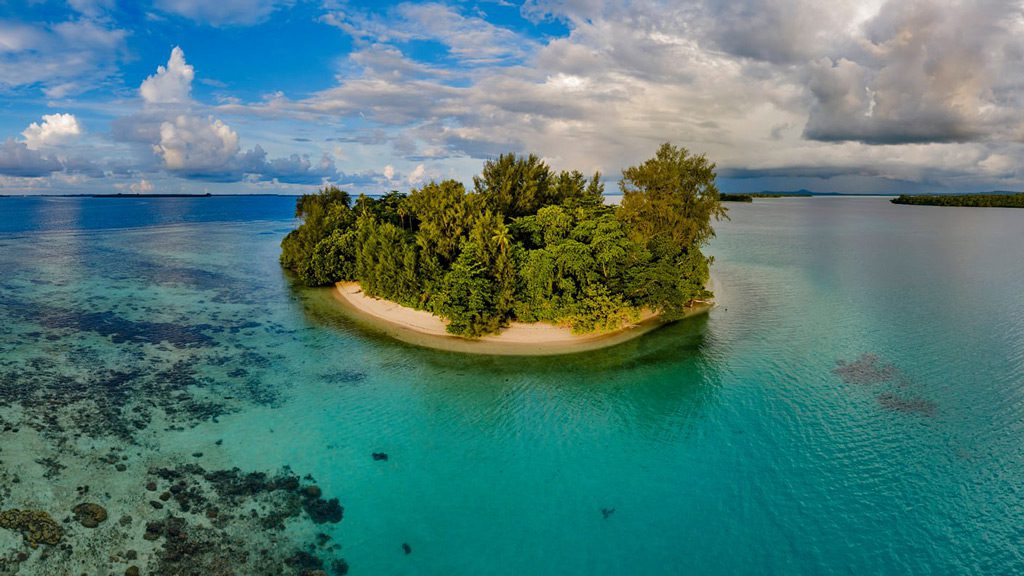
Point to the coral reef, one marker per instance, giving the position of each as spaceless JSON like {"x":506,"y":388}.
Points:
{"x":36,"y":526}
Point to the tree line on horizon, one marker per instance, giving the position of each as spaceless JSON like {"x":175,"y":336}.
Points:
{"x":525,"y":244}
{"x":972,"y":200}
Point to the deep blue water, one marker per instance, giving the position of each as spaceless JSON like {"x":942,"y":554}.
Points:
{"x":64,"y":213}
{"x":854,"y":405}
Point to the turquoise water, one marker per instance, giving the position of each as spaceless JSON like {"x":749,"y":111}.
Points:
{"x":854,"y":405}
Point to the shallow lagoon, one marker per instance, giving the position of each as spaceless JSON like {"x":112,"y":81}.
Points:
{"x":854,"y":405}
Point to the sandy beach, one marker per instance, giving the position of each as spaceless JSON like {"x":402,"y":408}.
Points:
{"x":520,"y":339}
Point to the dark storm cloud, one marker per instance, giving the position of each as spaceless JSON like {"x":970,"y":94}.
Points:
{"x":777,"y":31}
{"x":923,"y":72}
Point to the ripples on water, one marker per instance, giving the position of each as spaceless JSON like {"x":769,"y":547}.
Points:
{"x":854,"y":405}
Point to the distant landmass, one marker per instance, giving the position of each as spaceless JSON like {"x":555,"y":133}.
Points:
{"x":1002,"y":198}
{"x":121,"y":195}
{"x":789,"y":193}
{"x":802,"y":193}
{"x":736,"y":197}
{"x":997,"y":199}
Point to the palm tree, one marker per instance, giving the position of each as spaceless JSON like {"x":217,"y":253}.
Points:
{"x":502,"y":238}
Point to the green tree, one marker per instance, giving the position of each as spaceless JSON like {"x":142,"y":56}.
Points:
{"x":321,"y":214}
{"x":333,"y":260}
{"x":493,"y":241}
{"x":667,"y":206}
{"x":386,"y":261}
{"x":444,"y":219}
{"x":515,"y":185}
{"x":468,"y":296}
{"x":672,"y":195}
{"x":572,"y":189}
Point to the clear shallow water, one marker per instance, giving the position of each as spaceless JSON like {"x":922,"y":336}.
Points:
{"x":727,"y":444}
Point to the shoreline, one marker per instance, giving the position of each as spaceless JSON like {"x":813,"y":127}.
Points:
{"x":421,"y":328}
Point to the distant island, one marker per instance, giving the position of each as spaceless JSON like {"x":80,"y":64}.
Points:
{"x":138,"y":195}
{"x":749,"y":196}
{"x":991,"y":200}
{"x":527,"y":245}
{"x":736,"y":197}
{"x":790,"y":194}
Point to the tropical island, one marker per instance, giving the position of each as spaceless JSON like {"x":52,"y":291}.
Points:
{"x":749,"y":196}
{"x":993,"y":200}
{"x":736,"y":197}
{"x":527,"y":247}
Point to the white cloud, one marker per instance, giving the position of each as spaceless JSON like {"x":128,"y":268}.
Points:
{"x":199,"y":146}
{"x":416,"y":176}
{"x":186,"y":143}
{"x":143,"y":186}
{"x":222,"y":12}
{"x":171,"y":84}
{"x":296,"y":168}
{"x":55,"y":129}
{"x":62,"y":58}
{"x":470,"y":39}
{"x":877,"y":89}
{"x":91,"y":8}
{"x":17,"y":159}
{"x":16,"y":38}
{"x":195,"y":145}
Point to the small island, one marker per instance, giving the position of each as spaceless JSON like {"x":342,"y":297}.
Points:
{"x":529,"y":256}
{"x":994,"y":200}
{"x":736,"y":197}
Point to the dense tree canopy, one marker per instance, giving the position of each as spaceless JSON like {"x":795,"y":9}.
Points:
{"x":1008,"y":200}
{"x":526,"y":244}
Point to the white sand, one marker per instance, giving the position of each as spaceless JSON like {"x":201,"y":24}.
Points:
{"x":520,"y":339}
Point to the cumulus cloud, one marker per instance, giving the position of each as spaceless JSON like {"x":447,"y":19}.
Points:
{"x":171,"y":84}
{"x":294,"y":169}
{"x":606,"y":94}
{"x":195,"y":145}
{"x":200,"y":146}
{"x":882,"y":92}
{"x":222,"y":12}
{"x":17,"y":159}
{"x":868,"y":89}
{"x":362,"y":180}
{"x":55,"y":129}
{"x":416,"y":176}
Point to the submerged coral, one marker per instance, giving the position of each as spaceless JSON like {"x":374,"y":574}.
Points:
{"x":868,"y":370}
{"x":864,"y":370}
{"x":204,"y":532}
{"x":90,"y":515}
{"x":35,"y":526}
{"x":912,"y":405}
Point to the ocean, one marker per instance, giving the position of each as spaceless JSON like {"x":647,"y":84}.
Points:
{"x":854,"y":405}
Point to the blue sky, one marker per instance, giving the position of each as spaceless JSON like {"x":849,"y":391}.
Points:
{"x":248,"y":96}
